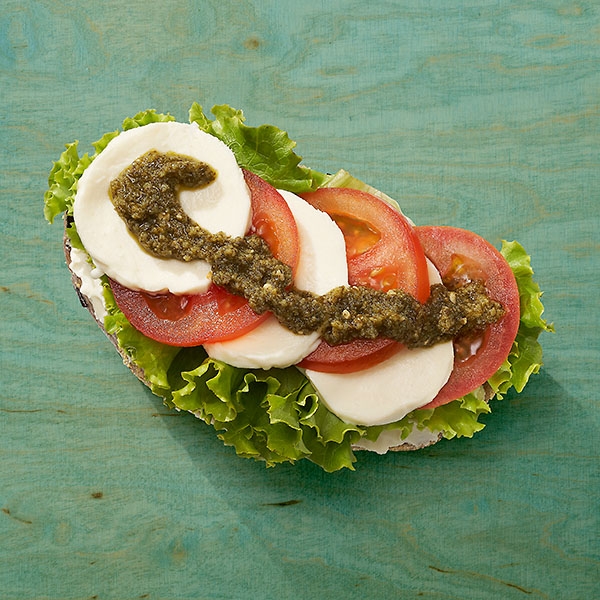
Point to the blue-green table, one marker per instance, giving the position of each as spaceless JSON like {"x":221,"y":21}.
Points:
{"x":481,"y":114}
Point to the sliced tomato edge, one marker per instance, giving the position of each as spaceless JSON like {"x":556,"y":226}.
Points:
{"x":171,"y":330}
{"x":501,"y":335}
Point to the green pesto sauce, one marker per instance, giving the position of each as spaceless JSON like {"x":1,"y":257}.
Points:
{"x":145,"y":195}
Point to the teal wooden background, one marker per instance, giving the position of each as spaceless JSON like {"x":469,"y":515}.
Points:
{"x":479,"y":114}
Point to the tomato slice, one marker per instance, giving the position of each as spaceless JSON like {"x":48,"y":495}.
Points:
{"x":272,"y":219}
{"x":191,"y":320}
{"x":351,"y":357}
{"x":186,"y":320}
{"x":382,"y":248}
{"x":383,"y":252}
{"x":460,"y":255}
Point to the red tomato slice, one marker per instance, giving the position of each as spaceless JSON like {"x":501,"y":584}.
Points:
{"x":382,"y":248}
{"x":349,"y":358}
{"x":187,"y":320}
{"x":461,"y":255}
{"x":383,"y":252}
{"x":191,"y":320}
{"x":272,"y":219}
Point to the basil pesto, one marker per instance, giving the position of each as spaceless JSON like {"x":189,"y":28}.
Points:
{"x":145,"y":195}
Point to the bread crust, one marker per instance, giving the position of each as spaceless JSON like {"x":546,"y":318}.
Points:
{"x":87,"y":303}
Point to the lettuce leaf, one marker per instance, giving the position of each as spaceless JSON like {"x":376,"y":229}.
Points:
{"x":272,"y":415}
{"x":62,"y":182}
{"x":66,"y":171}
{"x":267,"y":151}
{"x":525,"y":357}
{"x":459,"y":418}
{"x":277,"y":416}
{"x":344,"y":179}
{"x":151,"y":356}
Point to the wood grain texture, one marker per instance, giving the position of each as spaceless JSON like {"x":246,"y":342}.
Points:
{"x":478,"y":114}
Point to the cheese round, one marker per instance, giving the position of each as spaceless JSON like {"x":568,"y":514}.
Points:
{"x":224,"y":205}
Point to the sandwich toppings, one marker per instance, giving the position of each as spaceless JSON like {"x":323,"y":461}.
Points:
{"x":300,"y":314}
{"x":145,"y":195}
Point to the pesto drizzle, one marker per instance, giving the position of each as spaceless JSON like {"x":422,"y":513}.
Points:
{"x":145,"y":196}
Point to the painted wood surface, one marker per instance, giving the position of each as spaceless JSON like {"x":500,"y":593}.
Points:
{"x":483,"y":115}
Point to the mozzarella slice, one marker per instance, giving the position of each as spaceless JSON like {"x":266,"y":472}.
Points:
{"x":321,"y":267}
{"x":390,"y":390}
{"x":224,"y":205}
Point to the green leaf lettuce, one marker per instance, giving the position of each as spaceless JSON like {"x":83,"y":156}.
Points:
{"x":267,"y":151}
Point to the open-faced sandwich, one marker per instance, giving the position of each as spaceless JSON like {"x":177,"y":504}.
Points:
{"x":300,"y":314}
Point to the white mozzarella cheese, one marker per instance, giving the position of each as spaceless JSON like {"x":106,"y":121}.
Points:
{"x":91,"y":286}
{"x":321,"y":267}
{"x":224,"y":205}
{"x":392,"y":438}
{"x":390,"y":390}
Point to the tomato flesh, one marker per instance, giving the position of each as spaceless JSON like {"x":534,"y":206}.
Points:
{"x":168,"y":306}
{"x":460,"y":256}
{"x":383,"y":252}
{"x":358,"y":235}
{"x":351,"y":357}
{"x":188,"y":320}
{"x":272,"y":219}
{"x":194,"y":319}
{"x":382,"y":248}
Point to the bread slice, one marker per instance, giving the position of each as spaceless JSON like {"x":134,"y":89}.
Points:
{"x":388,"y":441}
